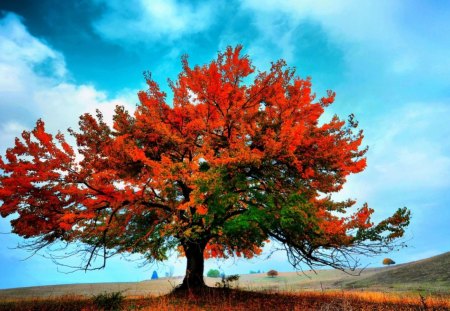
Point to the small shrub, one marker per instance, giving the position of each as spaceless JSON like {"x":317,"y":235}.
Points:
{"x":108,"y":301}
{"x":213,"y":273}
{"x":227,"y":282}
{"x":272,"y":273}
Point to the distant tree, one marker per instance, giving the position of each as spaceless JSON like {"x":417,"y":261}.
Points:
{"x":155,"y":275}
{"x":388,"y":261}
{"x":213,"y":273}
{"x":169,"y":273}
{"x":272,"y":273}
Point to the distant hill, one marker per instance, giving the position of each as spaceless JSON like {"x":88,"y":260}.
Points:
{"x":428,"y":274}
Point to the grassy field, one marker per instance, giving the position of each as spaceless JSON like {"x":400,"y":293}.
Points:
{"x":418,"y":285}
{"x":220,"y":299}
{"x":284,"y":282}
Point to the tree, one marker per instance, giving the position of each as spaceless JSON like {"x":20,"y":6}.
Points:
{"x":213,"y":273}
{"x":272,"y":273}
{"x":225,"y":168}
{"x":154,"y":275}
{"x":388,"y":261}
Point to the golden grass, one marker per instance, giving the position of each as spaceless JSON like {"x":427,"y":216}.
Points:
{"x":220,"y":299}
{"x":383,"y":298}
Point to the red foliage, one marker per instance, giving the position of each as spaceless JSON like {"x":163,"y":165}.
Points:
{"x":227,"y":163}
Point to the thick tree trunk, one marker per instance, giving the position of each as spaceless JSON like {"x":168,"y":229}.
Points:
{"x":195,"y":265}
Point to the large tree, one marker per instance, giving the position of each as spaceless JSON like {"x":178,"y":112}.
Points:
{"x":227,"y":166}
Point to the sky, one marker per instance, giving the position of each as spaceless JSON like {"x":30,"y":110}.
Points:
{"x":387,"y":61}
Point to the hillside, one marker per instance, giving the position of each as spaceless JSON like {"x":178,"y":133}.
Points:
{"x":431,"y":274}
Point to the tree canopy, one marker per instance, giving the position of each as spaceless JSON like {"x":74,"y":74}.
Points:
{"x":213,"y":273}
{"x":239,"y":157}
{"x":388,"y":261}
{"x":272,"y":273}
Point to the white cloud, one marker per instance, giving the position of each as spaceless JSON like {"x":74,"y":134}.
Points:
{"x":387,"y":47}
{"x":409,"y":153}
{"x":409,"y":37}
{"x":34,"y":84}
{"x":411,"y":148}
{"x":345,"y":22}
{"x":359,"y":20}
{"x":17,"y":44}
{"x":8,"y":131}
{"x":143,"y":20}
{"x":65,"y":102}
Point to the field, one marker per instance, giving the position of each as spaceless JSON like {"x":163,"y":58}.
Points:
{"x":223,"y":299}
{"x":421,"y":285}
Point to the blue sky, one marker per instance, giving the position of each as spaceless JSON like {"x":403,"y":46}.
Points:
{"x":388,"y":62}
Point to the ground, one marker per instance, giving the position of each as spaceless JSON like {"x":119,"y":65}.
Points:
{"x":418,"y":285}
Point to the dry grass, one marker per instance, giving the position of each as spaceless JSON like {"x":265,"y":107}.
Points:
{"x":285,"y":281}
{"x":154,"y":287}
{"x":220,"y":299}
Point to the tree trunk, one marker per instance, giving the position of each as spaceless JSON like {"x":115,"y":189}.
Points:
{"x":195,"y":265}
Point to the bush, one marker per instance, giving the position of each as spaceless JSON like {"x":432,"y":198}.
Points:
{"x":388,"y":261}
{"x":227,"y":281}
{"x":272,"y":273}
{"x":213,"y":273}
{"x":108,"y":301}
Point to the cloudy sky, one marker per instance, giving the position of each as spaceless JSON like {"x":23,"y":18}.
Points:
{"x":388,"y":62}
